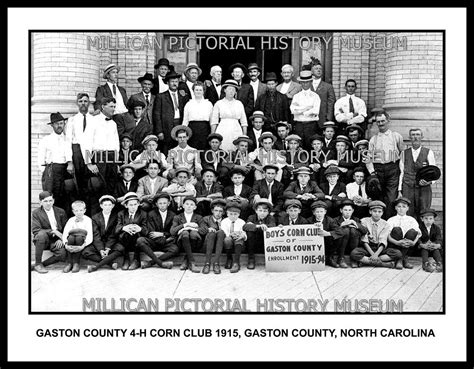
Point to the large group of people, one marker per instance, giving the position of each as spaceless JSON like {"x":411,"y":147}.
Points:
{"x":209,"y":165}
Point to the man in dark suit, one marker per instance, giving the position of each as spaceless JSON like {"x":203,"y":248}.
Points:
{"x":161,"y":70}
{"x":159,"y":236}
{"x":274,"y":104}
{"x":257,"y":128}
{"x":207,"y":190}
{"x":47,"y":224}
{"x":192,"y":73}
{"x":239,"y":192}
{"x":326,"y":94}
{"x":105,"y":248}
{"x":213,"y":156}
{"x":270,"y":189}
{"x":126,"y":184}
{"x":135,"y":123}
{"x":245,"y":92}
{"x":282,"y":132}
{"x":214,"y":236}
{"x":334,"y":190}
{"x":145,"y":96}
{"x":329,"y":131}
{"x":168,"y":111}
{"x":258,"y":87}
{"x":214,"y":86}
{"x":111,"y":89}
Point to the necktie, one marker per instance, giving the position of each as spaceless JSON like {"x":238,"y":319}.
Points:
{"x":147,"y":100}
{"x":218,"y":222}
{"x":108,"y":118}
{"x":175,"y":101}
{"x":270,"y":192}
{"x":218,"y":84}
{"x":351,"y":105}
{"x":292,"y":222}
{"x":127,"y":184}
{"x":114,"y":89}
{"x":84,"y":123}
{"x":131,"y":217}
{"x":232,"y":227}
{"x":360,"y":190}
{"x":209,"y":189}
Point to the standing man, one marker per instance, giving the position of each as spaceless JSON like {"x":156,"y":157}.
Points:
{"x":76,"y":129}
{"x":245,"y":92}
{"x":135,"y":124}
{"x":168,"y":111}
{"x":386,"y":147}
{"x":161,"y":70}
{"x":214,"y":86}
{"x":111,"y":89}
{"x":288,"y":87}
{"x":305,"y":107}
{"x":192,"y":72}
{"x":326,"y":94}
{"x":145,"y":96}
{"x":257,"y":86}
{"x":350,"y":109}
{"x":412,"y":160}
{"x":55,"y":160}
{"x":273,"y":103}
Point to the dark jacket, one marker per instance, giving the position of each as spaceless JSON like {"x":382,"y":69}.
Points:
{"x":328,"y":99}
{"x":294,"y":190}
{"x":276,"y":110}
{"x":260,"y":188}
{"x":435,"y":235}
{"x":104,"y":237}
{"x":340,"y":219}
{"x":336,"y":191}
{"x":179,"y":221}
{"x":252,"y":222}
{"x":285,"y":220}
{"x":140,"y":218}
{"x":105,"y":91}
{"x":211,"y":93}
{"x":126,"y":124}
{"x":201,"y":189}
{"x":209,"y":222}
{"x":247,"y":192}
{"x":163,"y":114}
{"x":40,"y":221}
{"x":329,"y":224}
{"x":155,"y":223}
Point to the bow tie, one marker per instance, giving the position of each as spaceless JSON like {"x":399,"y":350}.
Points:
{"x":218,"y":84}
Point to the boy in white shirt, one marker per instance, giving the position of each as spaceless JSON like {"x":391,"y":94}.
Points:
{"x":235,"y":236}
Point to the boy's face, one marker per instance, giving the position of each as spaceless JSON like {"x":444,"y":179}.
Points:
{"x":47,"y":203}
{"x":209,"y":178}
{"x":376,"y":213}
{"x":359,"y":177}
{"x":163,"y":204}
{"x":182,"y":139}
{"x":267,"y":143}
{"x":151,"y":146}
{"x":332,"y":178}
{"x":126,"y":143}
{"x":79,"y":211}
{"x":258,"y":123}
{"x":293,"y":145}
{"x":189,"y":206}
{"x":428,"y":220}
{"x":218,"y":212}
{"x":137,"y":112}
{"x":354,"y":135}
{"x":132,"y":206}
{"x":293,"y":212}
{"x":317,"y":145}
{"x":243,"y":146}
{"x":303,"y":179}
{"x":237,"y":179}
{"x":153,"y":170}
{"x":128,"y":174}
{"x":262,"y":212}
{"x":341,"y":147}
{"x":319,"y":213}
{"x":401,"y":208}
{"x":233,"y":215}
{"x":329,"y":133}
{"x":107,"y":206}
{"x":182,"y":178}
{"x":283,"y":132}
{"x":270,"y":174}
{"x":347,"y":211}
{"x":214,"y":143}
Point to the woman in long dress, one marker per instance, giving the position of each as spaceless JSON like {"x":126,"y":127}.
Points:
{"x":228,"y":116}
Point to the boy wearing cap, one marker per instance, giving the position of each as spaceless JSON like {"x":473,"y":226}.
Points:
{"x":216,"y":158}
{"x":373,"y":249}
{"x":125,"y":151}
{"x":125,"y":185}
{"x":295,"y":157}
{"x":343,"y":158}
{"x":239,"y":159}
{"x":150,"y":185}
{"x":189,"y":232}
{"x":146,"y":97}
{"x":180,"y":189}
{"x":282,"y":131}
{"x":214,"y":235}
{"x":266,"y":154}
{"x":105,"y":249}
{"x":257,"y":224}
{"x":235,"y":236}
{"x":239,"y":192}
{"x":47,"y":224}
{"x":292,"y":214}
{"x":255,"y":131}
{"x":80,"y":224}
{"x":405,"y":231}
{"x":327,"y":228}
{"x":349,"y":232}
{"x":207,"y":190}
{"x":319,"y":158}
{"x":329,"y":130}
{"x":356,"y":191}
{"x":333,"y":190}
{"x":431,"y":241}
{"x":304,"y":190}
{"x":270,"y":188}
{"x":159,"y":236}
{"x":131,"y":225}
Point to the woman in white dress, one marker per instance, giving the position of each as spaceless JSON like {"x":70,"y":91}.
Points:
{"x":197,"y":116}
{"x":228,"y":116}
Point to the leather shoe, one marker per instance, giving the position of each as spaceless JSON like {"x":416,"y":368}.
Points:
{"x":193,"y":268}
{"x":251,"y":264}
{"x":91,"y":268}
{"x":184,"y":266}
{"x":167,"y":264}
{"x":342,"y":263}
{"x":235,"y":268}
{"x":332,"y":262}
{"x":67,"y":268}
{"x":427,"y":267}
{"x":76,"y":267}
{"x":216,"y":268}
{"x":228,"y":263}
{"x":40,"y":269}
{"x":439,"y":267}
{"x":399,"y":264}
{"x":354,"y":264}
{"x":126,"y":265}
{"x":135,"y":265}
{"x":146,"y":264}
{"x":206,"y":269}
{"x":114,"y":265}
{"x":406,"y":264}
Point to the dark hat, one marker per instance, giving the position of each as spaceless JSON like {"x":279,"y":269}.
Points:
{"x":265,"y":135}
{"x":148,"y":139}
{"x":356,"y":127}
{"x":161,"y":195}
{"x":428,"y":211}
{"x":270,"y":76}
{"x":329,"y":124}
{"x":232,"y":205}
{"x":44,"y":195}
{"x":193,"y":66}
{"x":215,"y":135}
{"x":146,"y":77}
{"x":191,"y":198}
{"x":292,"y":203}
{"x":107,"y":197}
{"x":181,"y":127}
{"x":258,"y":114}
{"x":302,"y":170}
{"x":162,"y":61}
{"x":428,"y":173}
{"x":218,"y":202}
{"x":126,"y":135}
{"x":55,"y":117}
{"x":359,"y":169}
{"x":242,"y":138}
{"x":263,"y":201}
{"x":316,"y":137}
{"x":230,"y":82}
{"x":361,"y":142}
{"x":254,"y":66}
{"x":373,"y":187}
{"x":332,"y":169}
{"x":345,"y":139}
{"x":377,"y":204}
{"x":77,"y":232}
{"x":237,"y":65}
{"x":236,"y":171}
{"x":305,"y":76}
{"x":129,"y":196}
{"x":270,"y":166}
{"x":377,"y":110}
{"x":180,"y":170}
{"x":346,"y":202}
{"x":125,"y":166}
{"x":170,"y":75}
{"x":136,"y":102}
{"x":282,"y":124}
{"x":209,"y":169}
{"x":402,"y":199}
{"x":319,"y":204}
{"x":108,"y":68}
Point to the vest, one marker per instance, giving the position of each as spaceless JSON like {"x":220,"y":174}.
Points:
{"x":411,"y":167}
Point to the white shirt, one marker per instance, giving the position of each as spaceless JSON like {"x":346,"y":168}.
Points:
{"x":305,"y":99}
{"x":190,"y":86}
{"x":269,"y":185}
{"x":285,"y":87}
{"x":316,"y":82}
{"x":237,"y":189}
{"x":119,"y":104}
{"x":386,"y":147}
{"x":238,"y":225}
{"x":197,"y":110}
{"x":342,"y":111}
{"x":176,"y":112}
{"x":54,"y":148}
{"x":187,"y":157}
{"x":163,"y":87}
{"x":415,"y":154}
{"x":352,"y":190}
{"x":257,"y":136}
{"x":405,"y":222}
{"x":218,"y":88}
{"x":149,"y":97}
{"x":102,"y":136}
{"x":75,"y":128}
{"x":331,"y":187}
{"x":188,"y":217}
{"x":255,"y":89}
{"x":86,"y":224}
{"x":152,"y":184}
{"x":163,"y":215}
{"x":51,"y":218}
{"x":106,"y":218}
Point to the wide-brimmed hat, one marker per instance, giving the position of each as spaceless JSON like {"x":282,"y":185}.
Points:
{"x":361,"y":142}
{"x":170,"y":75}
{"x":356,"y":127}
{"x":107,"y":197}
{"x":263,"y":201}
{"x":215,"y":135}
{"x":270,"y":76}
{"x":305,"y":76}
{"x":55,"y":117}
{"x":193,"y":66}
{"x":238,"y":65}
{"x":108,"y":68}
{"x":145,"y":77}
{"x":181,"y":127}
{"x":242,"y":138}
{"x":258,"y":114}
{"x":270,"y":166}
{"x":148,"y":139}
{"x":129,"y":196}
{"x":162,"y":61}
{"x":332,"y":170}
{"x":232,"y":83}
{"x":329,"y":124}
{"x":428,"y":173}
{"x":254,"y":66}
{"x":182,"y":170}
{"x":265,"y":135}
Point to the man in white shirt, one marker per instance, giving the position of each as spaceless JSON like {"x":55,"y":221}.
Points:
{"x":258,"y":87}
{"x":350,"y":109}
{"x":288,"y":87}
{"x":55,"y":159}
{"x":192,"y":72}
{"x":305,"y":108}
{"x":356,"y":191}
{"x":111,"y":89}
